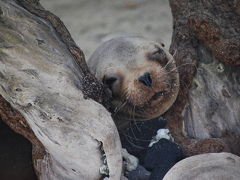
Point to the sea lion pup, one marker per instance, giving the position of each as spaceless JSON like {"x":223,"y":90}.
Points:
{"x":141,"y":75}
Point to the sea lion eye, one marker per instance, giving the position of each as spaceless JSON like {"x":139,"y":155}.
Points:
{"x":158,"y":52}
{"x":159,"y":55}
{"x":109,"y":81}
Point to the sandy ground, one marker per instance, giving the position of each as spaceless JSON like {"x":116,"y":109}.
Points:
{"x":90,"y":21}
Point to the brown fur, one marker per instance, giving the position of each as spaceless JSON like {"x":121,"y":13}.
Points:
{"x":126,"y":59}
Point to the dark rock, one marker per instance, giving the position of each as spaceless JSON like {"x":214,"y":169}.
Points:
{"x":164,"y":152}
{"x":138,"y":135}
{"x":139,"y":174}
{"x":159,"y":172}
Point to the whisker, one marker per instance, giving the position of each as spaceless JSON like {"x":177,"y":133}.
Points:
{"x":175,"y":53}
{"x":172,"y":60}
{"x":133,"y":144}
{"x":121,"y":105}
{"x":132,"y":132}
{"x":118,"y":108}
{"x":134,"y":120}
{"x":146,"y":140}
{"x":182,"y":66}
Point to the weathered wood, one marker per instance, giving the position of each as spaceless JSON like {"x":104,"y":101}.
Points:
{"x":206,"y":167}
{"x":206,"y":39}
{"x":91,"y":88}
{"x":45,"y":88}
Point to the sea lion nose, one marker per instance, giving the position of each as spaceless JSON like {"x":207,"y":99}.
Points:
{"x":146,"y":79}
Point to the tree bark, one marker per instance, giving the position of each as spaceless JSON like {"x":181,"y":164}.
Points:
{"x":48,"y":95}
{"x":206,"y":41}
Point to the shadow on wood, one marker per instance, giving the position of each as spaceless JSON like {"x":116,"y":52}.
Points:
{"x":15,"y":156}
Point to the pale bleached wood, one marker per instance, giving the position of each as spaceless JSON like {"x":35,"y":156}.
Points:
{"x":206,"y":167}
{"x":41,"y":80}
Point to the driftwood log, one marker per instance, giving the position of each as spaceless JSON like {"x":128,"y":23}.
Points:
{"x":206,"y":167}
{"x":47,"y":94}
{"x":206,"y":40}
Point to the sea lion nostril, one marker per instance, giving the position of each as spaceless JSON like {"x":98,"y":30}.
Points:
{"x":146,"y":79}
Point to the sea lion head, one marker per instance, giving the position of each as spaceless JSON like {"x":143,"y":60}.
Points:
{"x":141,"y":75}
